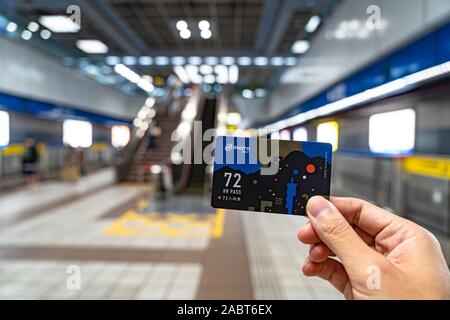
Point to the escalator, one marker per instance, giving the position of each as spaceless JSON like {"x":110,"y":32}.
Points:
{"x":137,"y":159}
{"x":196,"y":181}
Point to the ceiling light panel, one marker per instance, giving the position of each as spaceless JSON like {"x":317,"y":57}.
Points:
{"x":300,"y":46}
{"x":92,"y":46}
{"x":59,"y":24}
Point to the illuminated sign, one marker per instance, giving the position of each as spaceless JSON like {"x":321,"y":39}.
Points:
{"x":300,"y":134}
{"x":4,"y":129}
{"x":392,"y":132}
{"x":329,"y":132}
{"x":120,"y":136}
{"x":77,"y":134}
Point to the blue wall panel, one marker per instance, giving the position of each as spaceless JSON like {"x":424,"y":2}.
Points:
{"x":53,"y":111}
{"x":443,"y":38}
{"x":428,"y":51}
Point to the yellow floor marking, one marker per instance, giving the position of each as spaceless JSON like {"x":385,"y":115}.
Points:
{"x":217,"y":231}
{"x":132,"y":224}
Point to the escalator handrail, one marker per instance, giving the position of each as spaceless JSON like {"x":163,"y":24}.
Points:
{"x":188,"y":166}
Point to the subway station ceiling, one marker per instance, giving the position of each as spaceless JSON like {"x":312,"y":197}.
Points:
{"x":130,"y":29}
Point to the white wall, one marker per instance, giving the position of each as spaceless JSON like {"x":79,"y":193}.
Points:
{"x":27,"y":72}
{"x":330,"y":59}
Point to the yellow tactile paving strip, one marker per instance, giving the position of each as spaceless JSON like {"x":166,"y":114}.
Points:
{"x":155,"y":224}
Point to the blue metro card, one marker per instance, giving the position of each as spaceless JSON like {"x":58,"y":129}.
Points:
{"x":264,"y":175}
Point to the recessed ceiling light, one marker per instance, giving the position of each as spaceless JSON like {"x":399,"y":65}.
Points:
{"x":11,"y":27}
{"x":203,"y":25}
{"x":178,"y":61}
{"x":300,"y":46}
{"x":185,"y":34}
{"x":33,"y":26}
{"x":228,"y":61}
{"x":290,"y":61}
{"x":129,"y":60}
{"x":206,"y":34}
{"x":59,"y":24}
{"x":45,"y":34}
{"x":26,"y":35}
{"x":313,"y":24}
{"x":145,"y":61}
{"x":212,"y":60}
{"x":181,"y":25}
{"x":260,"y":93}
{"x":245,"y":61}
{"x":112,"y":60}
{"x":248,"y":94}
{"x":195,"y":60}
{"x":261,"y":61}
{"x":162,"y":61}
{"x":277,"y":61}
{"x":92,"y":46}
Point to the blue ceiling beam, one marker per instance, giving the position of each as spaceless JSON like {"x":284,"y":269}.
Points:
{"x":281,"y":24}
{"x":270,"y":11}
{"x":100,"y":14}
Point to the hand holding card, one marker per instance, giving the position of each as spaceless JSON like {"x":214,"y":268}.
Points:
{"x":299,"y":170}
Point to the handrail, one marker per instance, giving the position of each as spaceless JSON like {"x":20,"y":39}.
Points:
{"x":187,"y":167}
{"x":126,"y":156}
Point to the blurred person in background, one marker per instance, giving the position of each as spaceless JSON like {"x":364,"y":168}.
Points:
{"x":30,"y":162}
{"x":70,"y":171}
{"x":155,"y":132}
{"x":82,"y":163}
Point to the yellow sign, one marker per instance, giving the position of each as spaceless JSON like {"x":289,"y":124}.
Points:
{"x":99,"y":147}
{"x":19,"y":149}
{"x":433,"y":167}
{"x":14,"y":150}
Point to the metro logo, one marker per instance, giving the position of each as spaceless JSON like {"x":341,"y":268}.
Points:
{"x":229,"y":147}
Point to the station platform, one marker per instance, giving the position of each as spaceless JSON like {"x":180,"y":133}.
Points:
{"x":128,"y":245}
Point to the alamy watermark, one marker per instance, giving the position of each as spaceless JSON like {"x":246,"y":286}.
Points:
{"x":374,"y":279}
{"x":74,"y":13}
{"x":73,"y":281}
{"x":224,"y":150}
{"x":374,"y":21}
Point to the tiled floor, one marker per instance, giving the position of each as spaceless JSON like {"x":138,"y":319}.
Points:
{"x":276,"y":257}
{"x":28,"y":200}
{"x":119,"y":245}
{"x":29,"y":279}
{"x":75,"y":223}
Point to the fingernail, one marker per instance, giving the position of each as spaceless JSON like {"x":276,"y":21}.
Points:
{"x":317,"y":205}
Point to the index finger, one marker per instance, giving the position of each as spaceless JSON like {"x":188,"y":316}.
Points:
{"x":365,"y":215}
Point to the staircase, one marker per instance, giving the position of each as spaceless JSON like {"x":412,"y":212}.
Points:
{"x":144,"y":158}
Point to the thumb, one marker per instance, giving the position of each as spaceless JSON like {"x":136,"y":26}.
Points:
{"x":335,"y":231}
